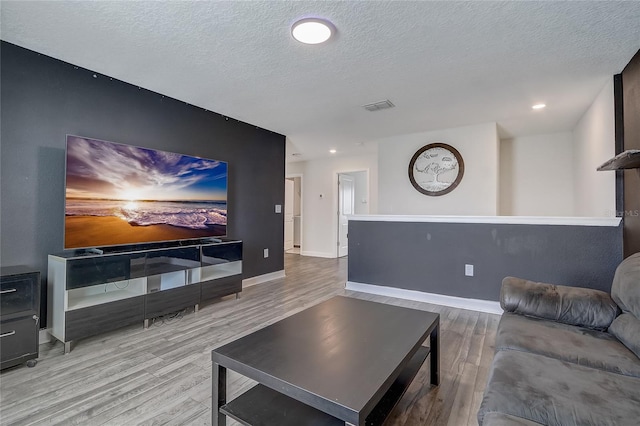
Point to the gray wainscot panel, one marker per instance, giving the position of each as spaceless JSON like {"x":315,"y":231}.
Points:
{"x":429,"y":255}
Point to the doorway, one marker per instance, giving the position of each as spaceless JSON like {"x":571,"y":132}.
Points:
{"x":353,"y":194}
{"x":346,"y":206}
{"x":292,"y":214}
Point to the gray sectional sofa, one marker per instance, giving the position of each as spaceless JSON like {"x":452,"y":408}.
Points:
{"x":566,"y":355}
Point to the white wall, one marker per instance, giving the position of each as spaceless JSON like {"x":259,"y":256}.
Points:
{"x":526,"y":181}
{"x":593,"y":144}
{"x":477,"y":193}
{"x":320,"y":198}
{"x":536,"y":175}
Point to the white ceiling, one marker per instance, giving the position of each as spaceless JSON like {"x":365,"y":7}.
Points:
{"x":443,"y":64}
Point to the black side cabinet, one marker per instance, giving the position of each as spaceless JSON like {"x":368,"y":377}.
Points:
{"x":19,"y":315}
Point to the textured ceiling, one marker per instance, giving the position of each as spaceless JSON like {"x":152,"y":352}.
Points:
{"x":443,"y":64}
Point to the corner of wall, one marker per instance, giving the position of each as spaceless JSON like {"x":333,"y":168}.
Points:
{"x":593,"y":142}
{"x":498,"y":169}
{"x":506,"y":178}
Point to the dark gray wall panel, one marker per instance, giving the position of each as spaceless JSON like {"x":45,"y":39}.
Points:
{"x":630,"y":135}
{"x":43,"y":99}
{"x":430,"y":257}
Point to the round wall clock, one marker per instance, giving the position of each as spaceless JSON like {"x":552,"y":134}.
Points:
{"x":436,"y":169}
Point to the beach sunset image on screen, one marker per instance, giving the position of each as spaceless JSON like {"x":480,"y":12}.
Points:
{"x":120,"y":194}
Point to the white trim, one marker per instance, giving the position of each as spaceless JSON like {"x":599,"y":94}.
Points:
{"x":44,"y":336}
{"x":248,"y":282}
{"x":318,"y":254}
{"x":518,"y":220}
{"x":419,"y":296}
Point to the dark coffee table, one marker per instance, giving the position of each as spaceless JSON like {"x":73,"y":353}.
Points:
{"x":343,"y":360}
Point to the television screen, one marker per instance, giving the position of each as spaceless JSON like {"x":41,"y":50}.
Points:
{"x":120,"y":194}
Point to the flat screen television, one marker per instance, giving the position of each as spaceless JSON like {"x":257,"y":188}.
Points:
{"x":119,"y":194}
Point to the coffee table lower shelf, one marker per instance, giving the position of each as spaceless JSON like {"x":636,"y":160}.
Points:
{"x":262,"y":406}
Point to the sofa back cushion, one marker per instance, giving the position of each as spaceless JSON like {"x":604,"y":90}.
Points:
{"x":583,"y":307}
{"x":625,"y":290}
{"x":626,"y":328}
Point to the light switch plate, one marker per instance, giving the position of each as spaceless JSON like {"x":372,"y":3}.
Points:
{"x":278,"y":208}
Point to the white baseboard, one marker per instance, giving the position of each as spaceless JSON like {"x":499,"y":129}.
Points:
{"x":318,"y":254}
{"x":419,"y":296}
{"x":44,"y":336}
{"x":248,"y":282}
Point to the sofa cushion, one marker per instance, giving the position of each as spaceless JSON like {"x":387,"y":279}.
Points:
{"x":625,"y":289}
{"x":578,"y":345}
{"x":571,"y":305}
{"x":553,"y":392}
{"x":627,"y":329}
{"x":500,"y":419}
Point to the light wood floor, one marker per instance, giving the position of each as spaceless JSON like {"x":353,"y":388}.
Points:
{"x":162,"y":375}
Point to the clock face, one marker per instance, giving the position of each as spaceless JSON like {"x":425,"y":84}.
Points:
{"x":436,"y":169}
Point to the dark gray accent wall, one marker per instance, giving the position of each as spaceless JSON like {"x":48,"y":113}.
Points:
{"x":619,"y":143}
{"x":44,"y":99}
{"x":431,"y":257}
{"x":630,"y":133}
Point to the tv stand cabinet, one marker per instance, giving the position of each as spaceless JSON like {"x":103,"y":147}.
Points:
{"x":92,"y":293}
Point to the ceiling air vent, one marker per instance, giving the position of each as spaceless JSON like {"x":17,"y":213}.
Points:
{"x":377,"y":106}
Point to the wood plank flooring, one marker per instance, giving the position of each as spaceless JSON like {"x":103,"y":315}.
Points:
{"x":161,"y":376}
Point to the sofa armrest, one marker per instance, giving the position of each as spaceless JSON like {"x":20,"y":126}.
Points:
{"x":570,"y":305}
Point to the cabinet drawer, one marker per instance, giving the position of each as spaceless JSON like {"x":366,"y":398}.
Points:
{"x":19,"y":294}
{"x":221,"y":287}
{"x":18,"y":338}
{"x":97,"y":319}
{"x":165,"y":302}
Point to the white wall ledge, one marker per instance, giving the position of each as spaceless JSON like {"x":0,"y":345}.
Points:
{"x":509,"y":220}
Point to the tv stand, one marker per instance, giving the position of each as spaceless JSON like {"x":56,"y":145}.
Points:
{"x":90,"y":293}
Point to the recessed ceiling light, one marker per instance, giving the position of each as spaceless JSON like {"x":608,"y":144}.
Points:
{"x":538,"y":106}
{"x":312,"y":30}
{"x":333,"y":151}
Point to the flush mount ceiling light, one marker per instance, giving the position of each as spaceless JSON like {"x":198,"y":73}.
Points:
{"x":312,"y":30}
{"x":538,"y":106}
{"x":332,"y":151}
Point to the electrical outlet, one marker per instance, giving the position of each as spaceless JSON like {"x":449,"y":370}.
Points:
{"x":468,"y":270}
{"x":266,"y":253}
{"x":278,"y":208}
